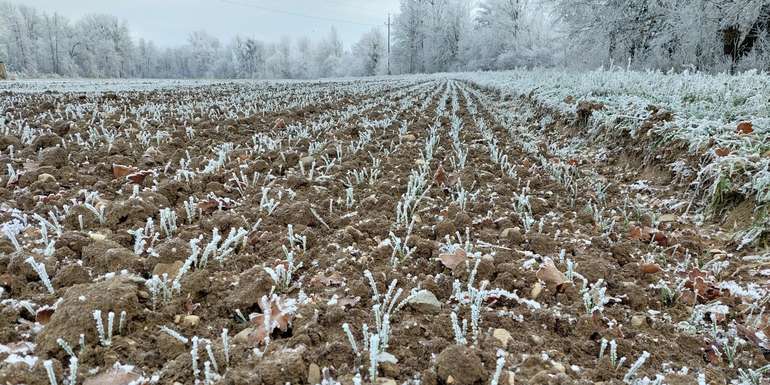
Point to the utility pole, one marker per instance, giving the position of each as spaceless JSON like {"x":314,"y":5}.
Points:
{"x":389,"y":44}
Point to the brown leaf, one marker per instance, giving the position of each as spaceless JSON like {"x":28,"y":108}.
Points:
{"x":440,"y":176}
{"x":549,"y":274}
{"x":348,"y":301}
{"x":115,"y":376}
{"x":646,"y":234}
{"x":208,"y":206}
{"x":138,"y":177}
{"x":453,"y":259}
{"x":279,"y":123}
{"x":281,"y":314}
{"x":43,"y":314}
{"x":650,"y":268}
{"x":120,"y":171}
{"x":722,"y":151}
{"x":745,"y":127}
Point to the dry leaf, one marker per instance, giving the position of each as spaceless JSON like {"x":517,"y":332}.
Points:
{"x":453,"y":259}
{"x":650,"y":268}
{"x":279,"y":123}
{"x":745,"y":127}
{"x":138,"y":177}
{"x":118,"y":375}
{"x":348,"y":301}
{"x":549,"y":274}
{"x":646,"y":234}
{"x":43,"y":314}
{"x":440,"y":176}
{"x":722,"y":152}
{"x":120,"y":171}
{"x":281,"y":313}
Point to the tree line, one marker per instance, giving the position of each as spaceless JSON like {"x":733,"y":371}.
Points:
{"x":428,"y":36}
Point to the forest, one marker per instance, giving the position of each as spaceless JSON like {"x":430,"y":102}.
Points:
{"x":428,"y":36}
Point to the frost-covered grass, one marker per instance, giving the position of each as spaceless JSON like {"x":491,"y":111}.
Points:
{"x":707,"y":110}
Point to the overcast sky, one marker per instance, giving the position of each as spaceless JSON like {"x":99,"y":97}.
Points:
{"x":167,"y":22}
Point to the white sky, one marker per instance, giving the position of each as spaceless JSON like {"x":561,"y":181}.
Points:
{"x":168,"y":22}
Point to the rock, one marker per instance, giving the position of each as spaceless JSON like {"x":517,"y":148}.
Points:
{"x":191,"y":320}
{"x":53,"y":156}
{"x":313,"y":374}
{"x":46,"y":178}
{"x":425,"y":301}
{"x":283,"y":366}
{"x":445,"y":228}
{"x":513,"y":235}
{"x":409,"y":137}
{"x":536,"y":339}
{"x":246,"y":336}
{"x":503,"y":336}
{"x":385,"y":381}
{"x":665,"y":218}
{"x":537,"y":288}
{"x":461,"y":363}
{"x":74,"y":315}
{"x":307,"y":161}
{"x":167,"y":268}
{"x":638,"y":320}
{"x":559,"y":367}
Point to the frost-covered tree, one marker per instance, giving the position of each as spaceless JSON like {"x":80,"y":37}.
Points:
{"x":370,"y":54}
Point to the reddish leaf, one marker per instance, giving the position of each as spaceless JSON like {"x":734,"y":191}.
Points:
{"x":440,"y":176}
{"x":650,"y":268}
{"x":116,"y":376}
{"x":551,"y":275}
{"x":453,"y":259}
{"x":120,"y":171}
{"x":279,"y":123}
{"x":43,"y":315}
{"x":281,"y":315}
{"x":722,"y":152}
{"x":138,"y":177}
{"x":745,"y":127}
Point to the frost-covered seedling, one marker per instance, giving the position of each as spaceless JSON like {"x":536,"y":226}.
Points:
{"x":190,"y":209}
{"x":226,"y":346}
{"x":349,"y":198}
{"x":168,"y":222}
{"x":631,"y":374}
{"x":383,"y":309}
{"x":282,"y":273}
{"x":13,"y":176}
{"x":160,"y":290}
{"x":401,"y":251}
{"x":752,"y":376}
{"x":596,"y":297}
{"x":266,"y":203}
{"x":105,"y":335}
{"x":39,"y":268}
{"x":65,"y":346}
{"x":48,"y":365}
{"x":498,"y":367}
{"x":523,"y":209}
{"x":139,"y":240}
{"x":295,"y":241}
{"x":10,"y":233}
{"x":98,"y":212}
{"x":194,"y":357}
{"x":73,"y":369}
{"x":175,"y":334}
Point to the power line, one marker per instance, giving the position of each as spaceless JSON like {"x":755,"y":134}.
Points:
{"x":273,"y":10}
